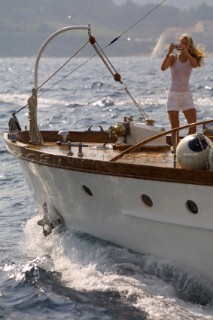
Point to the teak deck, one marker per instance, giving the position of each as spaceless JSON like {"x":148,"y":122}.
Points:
{"x":146,"y":163}
{"x":161,"y":157}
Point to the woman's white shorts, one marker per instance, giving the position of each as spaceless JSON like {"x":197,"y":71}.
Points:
{"x":178,"y":101}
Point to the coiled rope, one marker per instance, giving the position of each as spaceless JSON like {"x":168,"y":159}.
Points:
{"x":36,"y":137}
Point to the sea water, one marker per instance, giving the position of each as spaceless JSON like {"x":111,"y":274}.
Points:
{"x":71,"y":275}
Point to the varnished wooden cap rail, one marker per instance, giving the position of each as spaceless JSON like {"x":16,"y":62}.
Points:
{"x":144,"y":142}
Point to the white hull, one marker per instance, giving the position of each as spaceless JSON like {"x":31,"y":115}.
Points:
{"x":115,"y":212}
{"x":123,"y":184}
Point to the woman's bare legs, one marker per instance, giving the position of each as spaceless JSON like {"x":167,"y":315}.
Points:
{"x":174,"y":120}
{"x":191,"y":117}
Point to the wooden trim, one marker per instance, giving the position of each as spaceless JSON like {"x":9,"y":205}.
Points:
{"x":144,"y":142}
{"x":136,"y":171}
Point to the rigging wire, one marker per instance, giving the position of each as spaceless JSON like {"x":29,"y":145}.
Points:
{"x":113,"y":41}
{"x":65,"y":76}
{"x":86,"y":61}
{"x":48,"y":89}
{"x":134,"y":24}
{"x":63,"y":65}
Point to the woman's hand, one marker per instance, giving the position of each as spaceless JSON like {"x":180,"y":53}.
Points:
{"x":171,"y":48}
{"x":167,"y":60}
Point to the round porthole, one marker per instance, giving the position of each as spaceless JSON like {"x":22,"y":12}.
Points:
{"x":87,"y":190}
{"x":147,"y":200}
{"x":191,"y":206}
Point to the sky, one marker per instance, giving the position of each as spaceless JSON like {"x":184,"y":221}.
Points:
{"x":181,"y":4}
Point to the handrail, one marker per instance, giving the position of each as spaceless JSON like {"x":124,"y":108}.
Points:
{"x":144,"y":142}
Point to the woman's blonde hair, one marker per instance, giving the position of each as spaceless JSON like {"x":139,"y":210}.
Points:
{"x":196,"y":51}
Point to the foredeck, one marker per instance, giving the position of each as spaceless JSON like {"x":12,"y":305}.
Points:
{"x":97,"y":156}
{"x":152,"y":156}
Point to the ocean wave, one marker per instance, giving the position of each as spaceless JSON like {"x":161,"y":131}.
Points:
{"x":86,"y":262}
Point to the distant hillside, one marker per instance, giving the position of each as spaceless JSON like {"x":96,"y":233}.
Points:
{"x":181,"y":4}
{"x":24,"y":25}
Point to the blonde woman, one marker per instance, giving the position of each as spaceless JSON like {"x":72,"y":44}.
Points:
{"x":181,"y":64}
